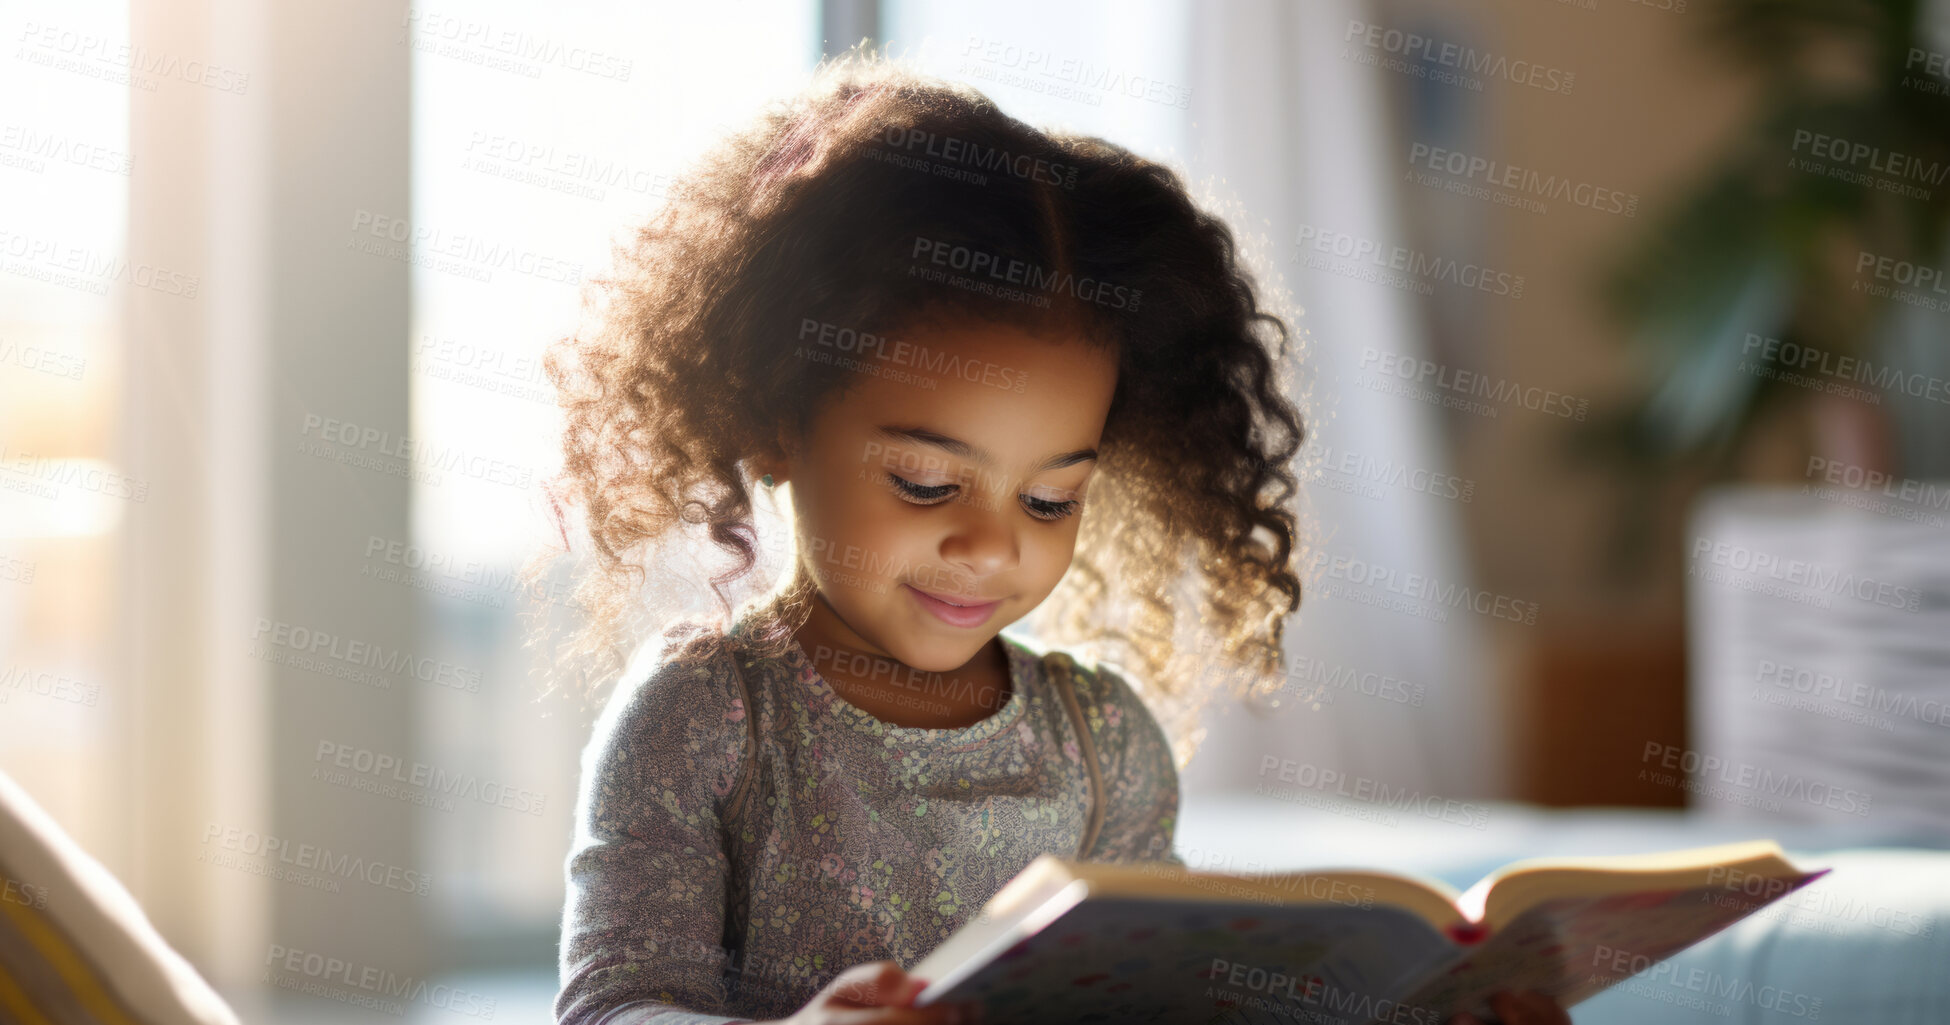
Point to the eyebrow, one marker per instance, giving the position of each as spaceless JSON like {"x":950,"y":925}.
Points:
{"x":961,"y":448}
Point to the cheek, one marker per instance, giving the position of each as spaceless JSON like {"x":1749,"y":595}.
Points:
{"x":849,"y":527}
{"x":1047,"y":553}
{"x":830,"y":503}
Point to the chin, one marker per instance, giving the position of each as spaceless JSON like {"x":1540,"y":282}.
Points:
{"x":936,"y":656}
{"x":943,"y":654}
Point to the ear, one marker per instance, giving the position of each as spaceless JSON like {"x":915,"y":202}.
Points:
{"x":759,"y":466}
{"x":774,"y":459}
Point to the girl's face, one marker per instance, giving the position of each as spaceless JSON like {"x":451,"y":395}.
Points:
{"x":930,"y":518}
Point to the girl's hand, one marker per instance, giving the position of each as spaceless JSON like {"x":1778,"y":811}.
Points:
{"x":877,"y":993}
{"x":1520,"y":1009}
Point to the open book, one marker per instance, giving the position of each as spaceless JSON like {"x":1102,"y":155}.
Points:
{"x":1150,"y":942}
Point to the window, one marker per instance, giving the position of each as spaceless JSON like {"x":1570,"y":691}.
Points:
{"x":530,"y":153}
{"x":64,"y":278}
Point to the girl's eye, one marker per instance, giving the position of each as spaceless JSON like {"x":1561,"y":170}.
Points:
{"x":924,"y":494}
{"x":1044,"y":509}
{"x":935,"y":494}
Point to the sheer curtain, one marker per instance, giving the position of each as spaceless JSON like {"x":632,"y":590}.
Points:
{"x":1300,"y":139}
{"x":1254,"y":103}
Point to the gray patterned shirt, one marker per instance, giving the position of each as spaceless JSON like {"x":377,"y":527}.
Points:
{"x":853,"y":840}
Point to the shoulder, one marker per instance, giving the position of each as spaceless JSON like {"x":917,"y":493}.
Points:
{"x":675,"y":724}
{"x":1124,"y":730}
{"x":685,"y":677}
{"x":1140,"y":776}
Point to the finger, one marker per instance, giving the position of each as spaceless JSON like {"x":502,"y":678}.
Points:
{"x":1510,"y":1010}
{"x":937,"y":1014}
{"x":1544,"y":1008}
{"x":1532,"y":1008}
{"x":1528,"y":1008}
{"x":910,"y":987}
{"x":873,"y":984}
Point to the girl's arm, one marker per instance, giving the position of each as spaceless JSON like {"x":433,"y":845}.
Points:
{"x":645,"y":916}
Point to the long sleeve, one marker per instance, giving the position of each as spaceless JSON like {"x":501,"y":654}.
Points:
{"x":1140,"y":778}
{"x":644,"y":923}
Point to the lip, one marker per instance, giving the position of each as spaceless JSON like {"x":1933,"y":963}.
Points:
{"x":962,"y":615}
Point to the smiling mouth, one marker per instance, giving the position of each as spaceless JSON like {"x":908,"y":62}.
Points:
{"x":958,"y":605}
{"x":960,"y":614}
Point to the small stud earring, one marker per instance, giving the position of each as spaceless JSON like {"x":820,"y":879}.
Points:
{"x":766,"y":480}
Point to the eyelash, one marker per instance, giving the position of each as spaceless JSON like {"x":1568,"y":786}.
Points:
{"x":934,"y":494}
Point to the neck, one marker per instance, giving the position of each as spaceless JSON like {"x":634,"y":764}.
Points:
{"x":890,"y":690}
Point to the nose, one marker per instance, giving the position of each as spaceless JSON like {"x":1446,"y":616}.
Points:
{"x":982,"y":539}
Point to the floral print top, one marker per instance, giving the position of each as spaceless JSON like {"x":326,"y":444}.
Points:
{"x":854,"y":840}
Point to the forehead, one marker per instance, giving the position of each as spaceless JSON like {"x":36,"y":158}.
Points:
{"x":1017,"y":394}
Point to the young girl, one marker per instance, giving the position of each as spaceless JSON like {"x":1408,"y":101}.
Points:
{"x":990,"y":370}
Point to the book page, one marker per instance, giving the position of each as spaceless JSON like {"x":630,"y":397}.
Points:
{"x":1186,"y":960}
{"x":1430,"y":899}
{"x":1571,"y":947}
{"x":1507,"y":892}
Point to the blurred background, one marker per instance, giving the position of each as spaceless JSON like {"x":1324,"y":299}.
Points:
{"x":1624,"y":361}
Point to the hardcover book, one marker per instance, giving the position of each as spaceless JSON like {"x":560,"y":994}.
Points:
{"x":1077,"y":941}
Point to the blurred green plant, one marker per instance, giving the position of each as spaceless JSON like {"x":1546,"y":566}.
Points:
{"x":1766,"y":240}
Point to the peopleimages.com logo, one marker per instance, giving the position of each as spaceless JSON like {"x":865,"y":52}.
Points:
{"x":1024,"y":274}
{"x":1799,"y":579}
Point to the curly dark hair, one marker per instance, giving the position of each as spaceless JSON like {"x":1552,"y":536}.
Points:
{"x":834,"y":208}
